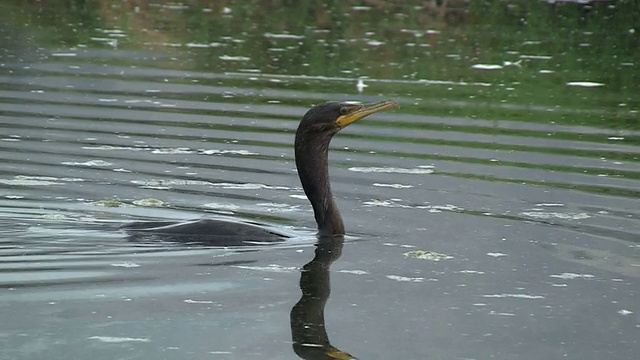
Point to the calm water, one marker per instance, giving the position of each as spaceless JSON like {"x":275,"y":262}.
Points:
{"x":495,"y":215}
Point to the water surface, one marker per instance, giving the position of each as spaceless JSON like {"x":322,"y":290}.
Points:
{"x":495,"y":215}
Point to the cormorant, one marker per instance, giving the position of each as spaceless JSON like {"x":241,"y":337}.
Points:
{"x":313,"y":136}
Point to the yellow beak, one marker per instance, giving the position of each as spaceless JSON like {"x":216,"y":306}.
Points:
{"x":339,"y":354}
{"x":359,"y":111}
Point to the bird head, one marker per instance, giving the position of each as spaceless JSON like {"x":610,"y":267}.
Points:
{"x":331,"y":117}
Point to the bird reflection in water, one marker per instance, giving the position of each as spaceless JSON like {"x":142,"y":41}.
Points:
{"x":308,"y":331}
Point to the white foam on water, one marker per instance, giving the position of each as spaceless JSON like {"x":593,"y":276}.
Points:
{"x":391,"y":170}
{"x":584,"y":84}
{"x":515,"y":296}
{"x":115,"y":339}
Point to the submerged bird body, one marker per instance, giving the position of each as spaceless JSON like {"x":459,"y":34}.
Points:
{"x":313,"y":136}
{"x":203,"y":231}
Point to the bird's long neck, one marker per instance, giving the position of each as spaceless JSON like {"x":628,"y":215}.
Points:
{"x":313,"y":169}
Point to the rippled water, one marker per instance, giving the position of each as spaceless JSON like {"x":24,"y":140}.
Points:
{"x":468,"y":236}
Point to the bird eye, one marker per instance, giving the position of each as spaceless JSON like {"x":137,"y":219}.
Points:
{"x":344,"y":110}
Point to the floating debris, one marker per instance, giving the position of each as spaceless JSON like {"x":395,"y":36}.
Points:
{"x":501,"y":313}
{"x":419,"y":170}
{"x":219,"y":206}
{"x":126,"y":264}
{"x":149,"y":202}
{"x":248,"y":186}
{"x":55,"y":217}
{"x":374,"y":43}
{"x":233,"y":58}
{"x":440,"y":208}
{"x":516,"y":296}
{"x":90,"y":163}
{"x":385,"y":203}
{"x":12,"y":138}
{"x":114,"y":339}
{"x":109,"y":41}
{"x":170,"y":182}
{"x":355,"y":272}
{"x":496,"y":254}
{"x":584,"y":84}
{"x":536,"y":57}
{"x":175,"y":6}
{"x":269,"y":268}
{"x":161,"y":43}
{"x":202,"y":45}
{"x":360,"y":85}
{"x":13,"y":197}
{"x":224,"y":152}
{"x":518,"y":63}
{"x":427,"y":255}
{"x":170,"y":151}
{"x":108,"y":203}
{"x":555,"y":215}
{"x":394,"y":203}
{"x":394,"y":186}
{"x":26,"y":182}
{"x":278,"y":207}
{"x":550,"y":204}
{"x":283,"y":36}
{"x":486,"y":67}
{"x":571,"y":276}
{"x":190,"y":301}
{"x":405,"y":279}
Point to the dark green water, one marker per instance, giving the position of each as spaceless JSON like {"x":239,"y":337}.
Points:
{"x":494,"y":215}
